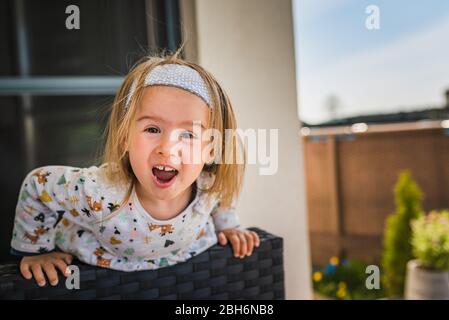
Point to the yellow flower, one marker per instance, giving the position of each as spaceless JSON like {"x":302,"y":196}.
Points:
{"x":342,"y":285}
{"x":317,"y":276}
{"x":334,"y":260}
{"x":341,"y":293}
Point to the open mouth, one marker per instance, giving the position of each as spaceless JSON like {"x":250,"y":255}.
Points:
{"x":164,"y":174}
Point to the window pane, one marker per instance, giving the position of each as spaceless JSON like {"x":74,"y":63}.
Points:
{"x":7,"y":36}
{"x":63,"y":131}
{"x":68,"y":130}
{"x":111,"y":37}
{"x":12,"y":162}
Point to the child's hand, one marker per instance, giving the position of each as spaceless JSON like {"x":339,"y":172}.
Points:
{"x":242,"y":241}
{"x":45,"y":263}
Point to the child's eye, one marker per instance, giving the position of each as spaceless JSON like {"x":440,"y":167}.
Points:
{"x":187,"y":135}
{"x":152,"y":130}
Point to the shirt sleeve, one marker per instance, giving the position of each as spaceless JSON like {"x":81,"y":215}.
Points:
{"x":225,"y":218}
{"x":49,"y":195}
{"x":17,"y":253}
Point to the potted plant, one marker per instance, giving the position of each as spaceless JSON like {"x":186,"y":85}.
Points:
{"x":428,"y":274}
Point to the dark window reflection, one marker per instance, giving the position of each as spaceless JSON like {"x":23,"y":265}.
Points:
{"x":67,"y":130}
{"x":111,"y":37}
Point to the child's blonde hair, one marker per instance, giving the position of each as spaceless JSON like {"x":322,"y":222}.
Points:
{"x":228,"y":176}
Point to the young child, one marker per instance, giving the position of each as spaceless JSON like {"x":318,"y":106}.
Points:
{"x":148,"y":205}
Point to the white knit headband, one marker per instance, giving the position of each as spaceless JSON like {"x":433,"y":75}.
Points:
{"x":174,"y":75}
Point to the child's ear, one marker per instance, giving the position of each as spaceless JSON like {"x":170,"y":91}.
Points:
{"x":210,"y":158}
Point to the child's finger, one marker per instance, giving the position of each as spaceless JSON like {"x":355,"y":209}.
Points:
{"x":249,"y":243}
{"x":243,"y":245}
{"x":50,"y":271}
{"x":235,"y":244}
{"x":62,"y":266}
{"x":256,"y":238}
{"x":68,"y":258}
{"x":25,"y":270}
{"x":222,"y":238}
{"x":38,"y":274}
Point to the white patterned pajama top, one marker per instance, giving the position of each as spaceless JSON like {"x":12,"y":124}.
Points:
{"x":77,"y":211}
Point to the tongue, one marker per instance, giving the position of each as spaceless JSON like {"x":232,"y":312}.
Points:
{"x":164,"y":175}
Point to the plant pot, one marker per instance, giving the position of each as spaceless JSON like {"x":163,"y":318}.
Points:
{"x":425,"y":284}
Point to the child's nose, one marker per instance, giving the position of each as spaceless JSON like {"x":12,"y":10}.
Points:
{"x":167,"y":146}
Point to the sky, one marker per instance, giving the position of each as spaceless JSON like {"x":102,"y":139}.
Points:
{"x":403,"y":65}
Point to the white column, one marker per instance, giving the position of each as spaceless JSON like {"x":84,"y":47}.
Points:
{"x":249,"y":46}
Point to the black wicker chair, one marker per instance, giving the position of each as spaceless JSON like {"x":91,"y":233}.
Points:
{"x":214,"y":274}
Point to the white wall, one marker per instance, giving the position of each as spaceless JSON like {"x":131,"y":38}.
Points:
{"x":248,"y":45}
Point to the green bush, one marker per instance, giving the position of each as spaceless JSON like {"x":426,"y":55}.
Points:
{"x":430,"y":240}
{"x":397,"y":237}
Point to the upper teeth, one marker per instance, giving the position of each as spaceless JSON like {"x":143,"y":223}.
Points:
{"x":164,"y":168}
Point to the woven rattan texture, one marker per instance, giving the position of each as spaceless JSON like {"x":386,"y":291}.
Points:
{"x":213,"y":274}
